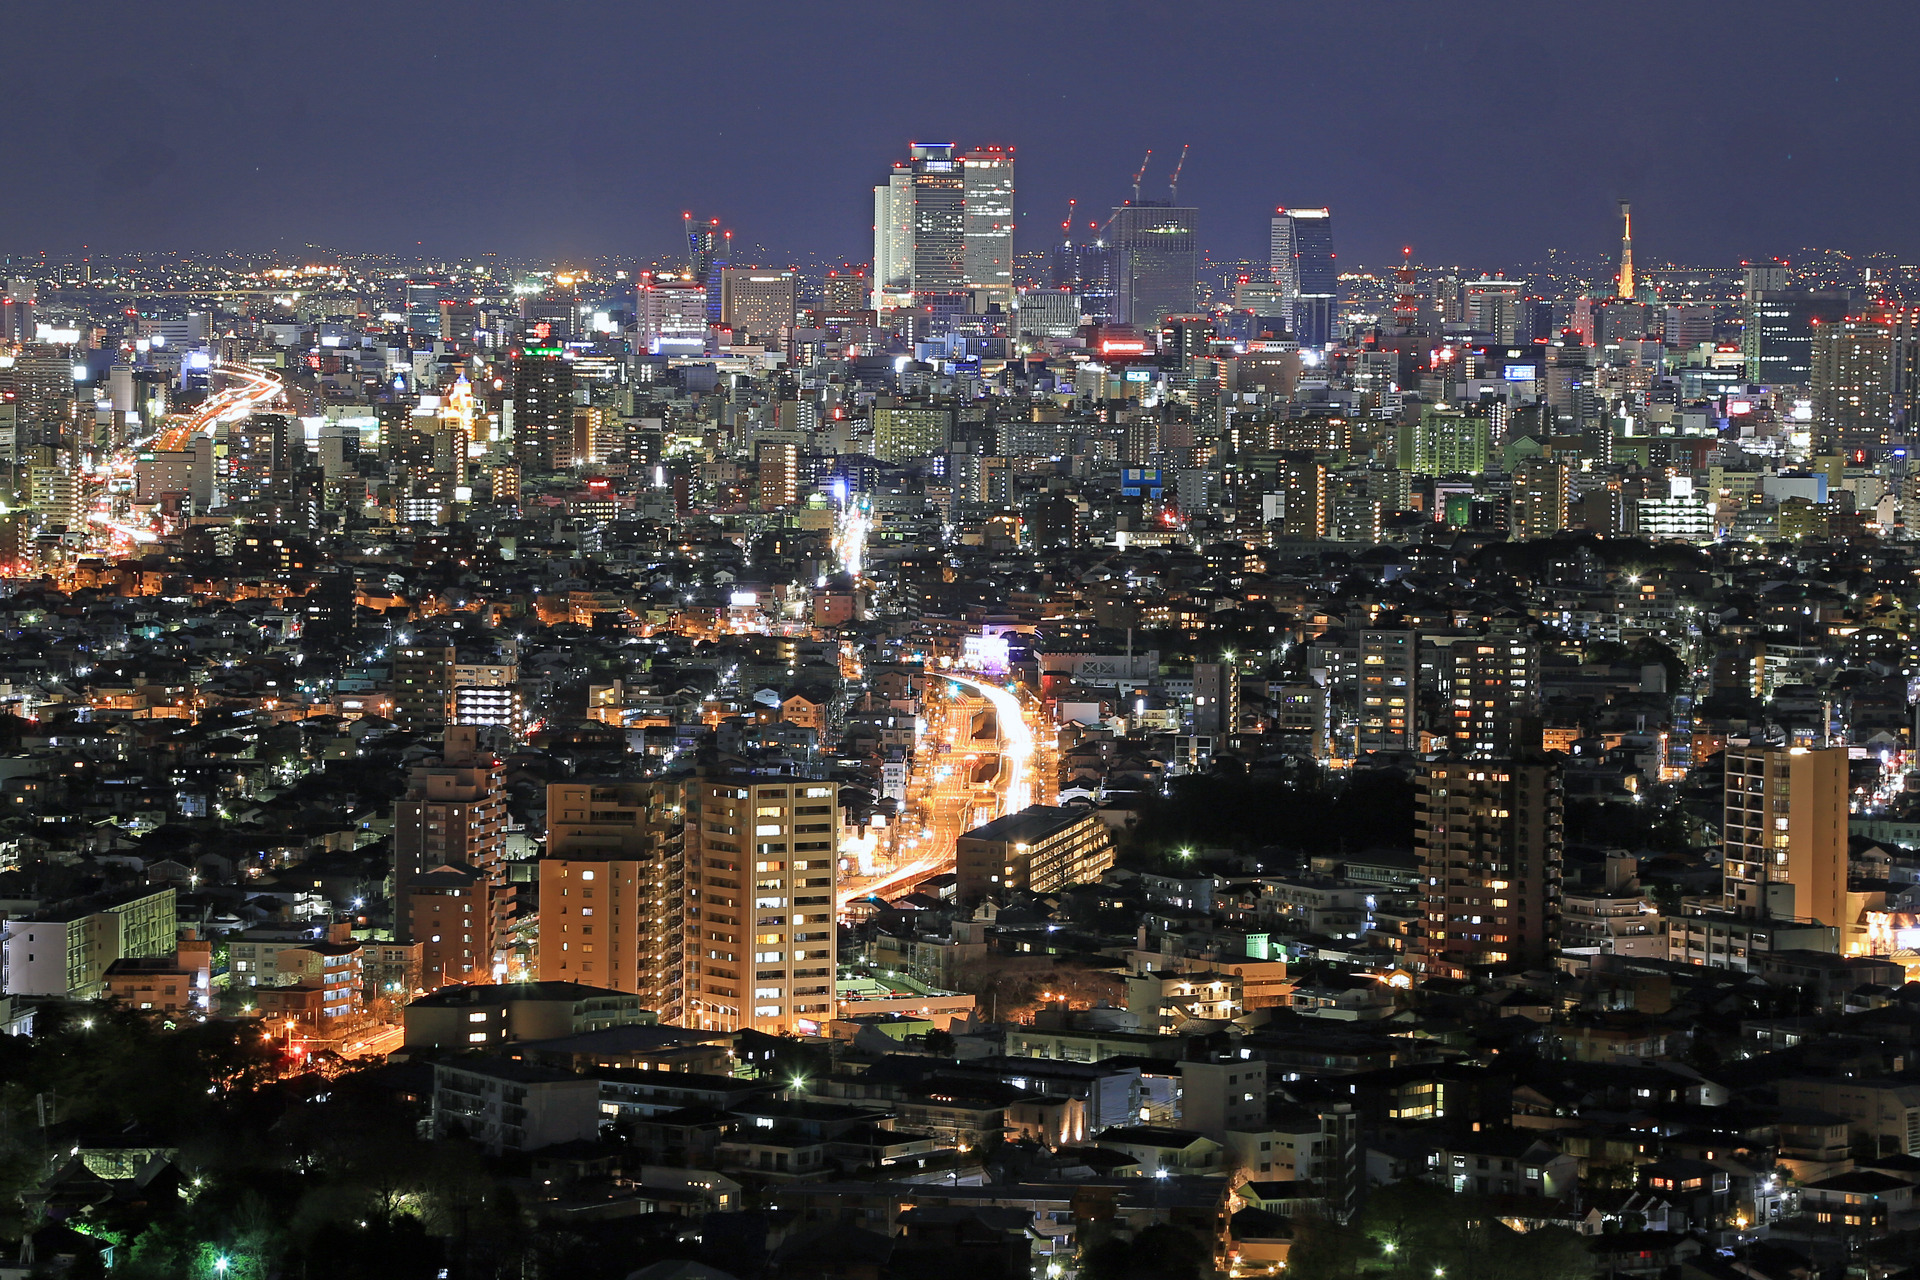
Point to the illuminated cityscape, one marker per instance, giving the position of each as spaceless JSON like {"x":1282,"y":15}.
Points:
{"x":832,"y":643}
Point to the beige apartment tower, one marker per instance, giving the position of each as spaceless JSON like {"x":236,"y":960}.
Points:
{"x":1784,"y":832}
{"x":759,"y":894}
{"x":611,"y":893}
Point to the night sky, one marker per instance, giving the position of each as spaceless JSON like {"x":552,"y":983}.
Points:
{"x":1481,"y":133}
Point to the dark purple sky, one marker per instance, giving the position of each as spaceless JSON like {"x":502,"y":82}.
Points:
{"x":1482,"y":133}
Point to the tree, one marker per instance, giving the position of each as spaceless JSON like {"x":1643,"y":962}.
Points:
{"x":1160,"y":1252}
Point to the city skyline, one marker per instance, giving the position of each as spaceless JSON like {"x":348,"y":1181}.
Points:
{"x":1537,"y":161}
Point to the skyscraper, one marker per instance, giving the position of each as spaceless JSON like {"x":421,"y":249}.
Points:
{"x":1492,"y":683}
{"x":943,"y":222}
{"x":542,"y":409}
{"x":1777,"y":341}
{"x":1784,"y":832}
{"x":988,"y":213}
{"x":1302,"y":262}
{"x":1488,"y":836}
{"x":1154,"y":261}
{"x":1302,"y":252}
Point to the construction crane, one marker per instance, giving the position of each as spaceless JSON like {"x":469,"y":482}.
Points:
{"x":1141,"y":174}
{"x":1067,"y":226}
{"x":1173,"y":183}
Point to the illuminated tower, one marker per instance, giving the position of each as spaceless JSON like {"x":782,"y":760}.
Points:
{"x":456,"y":418}
{"x":1626,"y":250}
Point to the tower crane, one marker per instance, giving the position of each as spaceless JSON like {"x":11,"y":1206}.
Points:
{"x":1141,"y":174}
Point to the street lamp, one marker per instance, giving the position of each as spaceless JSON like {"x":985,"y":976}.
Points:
{"x":220,"y":1265}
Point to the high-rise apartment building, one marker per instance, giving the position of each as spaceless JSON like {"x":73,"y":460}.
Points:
{"x":1493,"y":685}
{"x":611,"y":889}
{"x":1154,"y":261}
{"x":760,"y":883}
{"x":1865,"y":379}
{"x":422,"y":680}
{"x":1489,"y":839}
{"x":1388,"y":669}
{"x":1784,"y":832}
{"x":943,"y":222}
{"x":1446,"y":442}
{"x":450,"y":890}
{"x":777,"y":466}
{"x":1303,"y":487}
{"x":1540,"y":498}
{"x":39,"y":385}
{"x":542,"y":409}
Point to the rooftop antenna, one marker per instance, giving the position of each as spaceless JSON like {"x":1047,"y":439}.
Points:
{"x":1173,"y":183}
{"x":1139,"y":175}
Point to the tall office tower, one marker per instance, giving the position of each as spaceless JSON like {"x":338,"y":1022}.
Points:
{"x":759,"y":933}
{"x":759,"y":302}
{"x":423,"y":308}
{"x":705,"y":246}
{"x":450,"y":892}
{"x":1303,"y":267}
{"x":1784,"y":832}
{"x":1489,"y":839}
{"x":1570,"y":383}
{"x":1492,"y":306}
{"x":1154,"y":262}
{"x":17,"y":299}
{"x":669,"y":314}
{"x":846,"y":289}
{"x":988,"y":193}
{"x":1777,"y":340}
{"x":542,"y":409}
{"x":1863,"y":379}
{"x":40,"y":386}
{"x":778,"y":466}
{"x":1540,"y":498}
{"x":611,"y":889}
{"x":1301,"y":250}
{"x":1303,"y":488}
{"x":422,"y":679}
{"x":939,"y":224}
{"x":893,"y":240}
{"x":1493,"y":684}
{"x":1625,"y":282}
{"x":943,"y":222}
{"x":549,"y":318}
{"x":1388,"y":674}
{"x":1687,"y":326}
